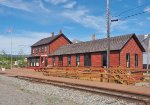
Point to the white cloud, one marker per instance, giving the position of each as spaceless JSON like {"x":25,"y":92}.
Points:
{"x":20,"y":41}
{"x":83,"y":17}
{"x":56,"y":1}
{"x":42,"y":7}
{"x":70,"y":4}
{"x":17,"y":4}
{"x":32,"y":6}
{"x":147,"y":9}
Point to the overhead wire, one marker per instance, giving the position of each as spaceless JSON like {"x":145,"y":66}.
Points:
{"x":140,"y":13}
{"x":126,"y":11}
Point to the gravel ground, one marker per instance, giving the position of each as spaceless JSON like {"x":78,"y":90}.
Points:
{"x":19,"y":92}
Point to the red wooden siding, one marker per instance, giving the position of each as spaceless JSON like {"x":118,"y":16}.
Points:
{"x":114,"y":58}
{"x":65,"y":60}
{"x":96,"y":59}
{"x":81,"y":59}
{"x":132,"y":48}
{"x":56,"y":61}
{"x":73,"y":60}
{"x":45,"y":52}
{"x":50,"y":61}
{"x":57,"y":44}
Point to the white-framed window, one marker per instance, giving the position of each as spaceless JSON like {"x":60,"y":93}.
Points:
{"x":136,"y":60}
{"x":45,"y":48}
{"x":32,"y":50}
{"x":37,"y":62}
{"x":53,"y":61}
{"x":77,"y":60}
{"x":128,"y":60}
{"x":69,"y":60}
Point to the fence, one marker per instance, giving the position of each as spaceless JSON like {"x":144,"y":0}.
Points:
{"x":116,"y":74}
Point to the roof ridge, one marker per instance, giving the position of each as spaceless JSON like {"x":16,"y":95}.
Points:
{"x":117,"y":43}
{"x":106,"y":38}
{"x":50,"y":36}
{"x":44,"y":42}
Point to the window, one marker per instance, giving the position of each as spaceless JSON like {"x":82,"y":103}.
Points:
{"x":60,"y":60}
{"x":69,"y":60}
{"x":36,"y":50}
{"x":45,"y":48}
{"x":39,"y":49}
{"x":104,"y":59}
{"x":87,"y":60}
{"x":37,"y":62}
{"x":32,"y":51}
{"x":78,"y":60}
{"x":32,"y":62}
{"x":53,"y":61}
{"x":41,"y":59}
{"x":46,"y":61}
{"x":128,"y":60}
{"x":136,"y":60}
{"x":42,"y":49}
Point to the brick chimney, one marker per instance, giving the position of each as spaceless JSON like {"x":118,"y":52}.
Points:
{"x":53,"y":34}
{"x":60,"y":32}
{"x":93,"y":37}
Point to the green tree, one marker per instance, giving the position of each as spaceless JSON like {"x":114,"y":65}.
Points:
{"x":21,"y":58}
{"x":3,"y":56}
{"x":4,"y":62}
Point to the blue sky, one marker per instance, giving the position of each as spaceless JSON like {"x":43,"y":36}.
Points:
{"x":32,"y":20}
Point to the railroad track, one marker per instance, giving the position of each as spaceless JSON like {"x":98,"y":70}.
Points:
{"x":143,"y":99}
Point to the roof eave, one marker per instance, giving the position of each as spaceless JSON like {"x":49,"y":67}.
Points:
{"x":54,"y":40}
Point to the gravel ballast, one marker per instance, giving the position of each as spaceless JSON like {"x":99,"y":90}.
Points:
{"x":14,"y":91}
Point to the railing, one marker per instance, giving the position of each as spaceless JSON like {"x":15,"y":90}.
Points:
{"x":117,"y":75}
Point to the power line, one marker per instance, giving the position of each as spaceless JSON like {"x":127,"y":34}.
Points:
{"x":131,"y":10}
{"x":124,"y":18}
{"x":140,"y":13}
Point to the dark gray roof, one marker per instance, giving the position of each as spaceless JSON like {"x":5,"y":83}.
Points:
{"x":144,"y":41}
{"x":45,"y":41}
{"x":116,"y":43}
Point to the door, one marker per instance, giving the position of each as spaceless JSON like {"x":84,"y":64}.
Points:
{"x":104,"y":59}
{"x":46,"y":62}
{"x":87,"y":59}
{"x":60,"y":60}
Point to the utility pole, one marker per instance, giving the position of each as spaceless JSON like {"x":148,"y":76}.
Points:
{"x":148,"y":49}
{"x":108,"y":37}
{"x":11,"y":51}
{"x":10,"y":31}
